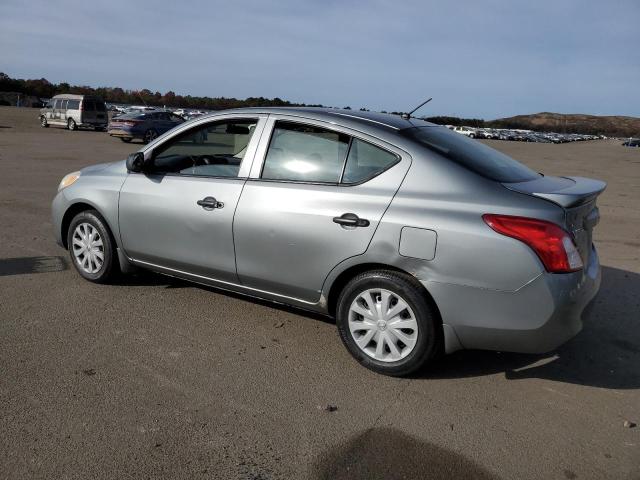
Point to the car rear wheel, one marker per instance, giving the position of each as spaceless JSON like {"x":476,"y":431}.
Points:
{"x":43,"y":122}
{"x":150,"y":135}
{"x":386,"y":322}
{"x":91,"y":247}
{"x":125,"y":139}
{"x":71,"y":124}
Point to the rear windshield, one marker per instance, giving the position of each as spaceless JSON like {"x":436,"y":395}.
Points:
{"x":91,"y":105}
{"x":471,"y":154}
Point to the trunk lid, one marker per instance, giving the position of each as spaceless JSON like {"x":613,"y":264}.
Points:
{"x":577,"y":196}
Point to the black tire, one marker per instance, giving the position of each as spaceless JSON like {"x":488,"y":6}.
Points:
{"x":150,"y":135}
{"x":125,"y":139}
{"x":109,"y":269}
{"x":43,"y":122}
{"x":406,"y":287}
{"x":71,"y":124}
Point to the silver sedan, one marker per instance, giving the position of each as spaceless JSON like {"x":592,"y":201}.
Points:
{"x":418,"y":240}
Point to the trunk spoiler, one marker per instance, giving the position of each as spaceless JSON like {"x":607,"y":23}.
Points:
{"x":564,"y":191}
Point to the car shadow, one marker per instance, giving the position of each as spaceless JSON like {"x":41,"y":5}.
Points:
{"x":387,"y":453}
{"x":605,"y":354}
{"x":145,"y":278}
{"x":28,"y":265}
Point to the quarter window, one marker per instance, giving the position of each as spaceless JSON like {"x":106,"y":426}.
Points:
{"x":73,"y":105}
{"x":214,"y":149}
{"x":305,"y":153}
{"x":365,"y":161}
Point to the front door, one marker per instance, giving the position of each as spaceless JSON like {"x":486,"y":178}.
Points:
{"x":305,"y":211}
{"x":179,"y":215}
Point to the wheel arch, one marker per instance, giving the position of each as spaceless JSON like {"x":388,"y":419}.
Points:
{"x":74,"y":210}
{"x":345,"y":276}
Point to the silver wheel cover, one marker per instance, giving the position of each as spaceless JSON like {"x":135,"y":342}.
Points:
{"x":88,"y":248}
{"x":383,"y":325}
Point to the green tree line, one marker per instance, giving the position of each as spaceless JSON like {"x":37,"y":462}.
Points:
{"x":42,"y":88}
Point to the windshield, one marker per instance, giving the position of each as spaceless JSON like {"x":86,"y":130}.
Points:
{"x":471,"y":154}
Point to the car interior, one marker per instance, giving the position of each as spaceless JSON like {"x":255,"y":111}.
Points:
{"x":215,"y":150}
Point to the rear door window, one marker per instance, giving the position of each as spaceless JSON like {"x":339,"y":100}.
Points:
{"x":88,"y":105}
{"x":366,"y":161}
{"x":304,"y":153}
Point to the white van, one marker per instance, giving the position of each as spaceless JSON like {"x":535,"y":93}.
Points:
{"x":75,"y":111}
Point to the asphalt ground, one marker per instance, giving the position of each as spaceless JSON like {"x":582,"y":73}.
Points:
{"x":158,"y":378}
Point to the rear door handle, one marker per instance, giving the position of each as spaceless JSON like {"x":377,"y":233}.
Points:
{"x":209,"y":203}
{"x":351,"y":220}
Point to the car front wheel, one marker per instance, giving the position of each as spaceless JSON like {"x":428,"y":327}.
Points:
{"x":91,"y":247}
{"x":386,"y":322}
{"x":43,"y":122}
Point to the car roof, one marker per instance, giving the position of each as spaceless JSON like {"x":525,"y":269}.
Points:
{"x":71,"y":96}
{"x":354,"y":118}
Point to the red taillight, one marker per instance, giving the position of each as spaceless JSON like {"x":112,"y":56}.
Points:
{"x":552,"y":244}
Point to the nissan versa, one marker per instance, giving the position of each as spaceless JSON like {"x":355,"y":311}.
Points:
{"x":415,"y":238}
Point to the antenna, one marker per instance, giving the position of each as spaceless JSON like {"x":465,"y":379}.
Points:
{"x":407,"y":116}
{"x":145,"y":103}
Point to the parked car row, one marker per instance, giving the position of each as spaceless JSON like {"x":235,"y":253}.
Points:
{"x":522,"y":135}
{"x":129,"y":122}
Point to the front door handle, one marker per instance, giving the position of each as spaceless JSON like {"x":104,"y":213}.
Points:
{"x":209,"y":203}
{"x":351,"y":220}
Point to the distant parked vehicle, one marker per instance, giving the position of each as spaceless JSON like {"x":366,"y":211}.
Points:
{"x":145,"y":126}
{"x":74,"y":111}
{"x":469,"y":132}
{"x":632,"y":142}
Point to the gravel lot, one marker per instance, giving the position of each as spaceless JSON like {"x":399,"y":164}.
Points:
{"x":157,"y":378}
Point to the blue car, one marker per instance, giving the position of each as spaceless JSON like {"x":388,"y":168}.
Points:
{"x":144,"y":126}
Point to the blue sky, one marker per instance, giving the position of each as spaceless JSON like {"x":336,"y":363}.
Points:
{"x":476,"y":58}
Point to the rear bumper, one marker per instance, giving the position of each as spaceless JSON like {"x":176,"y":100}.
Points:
{"x":116,"y":132}
{"x":536,"y":318}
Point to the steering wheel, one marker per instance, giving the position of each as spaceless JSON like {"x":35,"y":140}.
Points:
{"x":212,"y":160}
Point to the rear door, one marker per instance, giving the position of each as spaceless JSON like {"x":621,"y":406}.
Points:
{"x":302,"y":211}
{"x":162,"y":122}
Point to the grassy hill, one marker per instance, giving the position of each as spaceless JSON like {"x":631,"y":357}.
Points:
{"x":617,"y":126}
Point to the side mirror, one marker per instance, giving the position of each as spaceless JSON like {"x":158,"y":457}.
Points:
{"x":135,"y":162}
